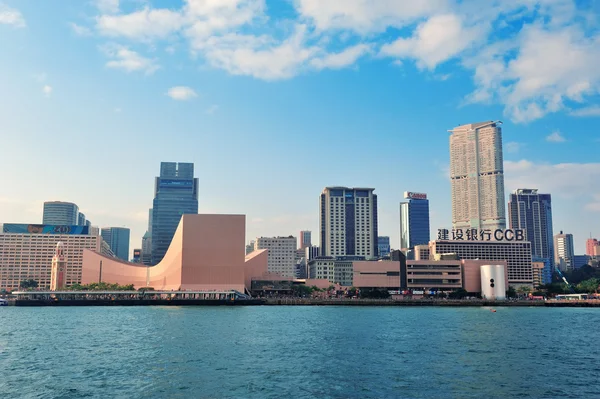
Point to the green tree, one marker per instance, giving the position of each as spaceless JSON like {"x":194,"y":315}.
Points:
{"x":511,"y":292}
{"x":28,"y":284}
{"x":460,"y":293}
{"x":524,"y":290}
{"x":588,"y":286}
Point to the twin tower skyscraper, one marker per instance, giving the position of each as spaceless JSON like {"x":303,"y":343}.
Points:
{"x":175,"y":194}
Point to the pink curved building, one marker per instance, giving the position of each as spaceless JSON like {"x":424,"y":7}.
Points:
{"x":207,"y":253}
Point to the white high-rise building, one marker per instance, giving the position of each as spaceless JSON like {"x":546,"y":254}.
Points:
{"x":564,"y":253}
{"x":477,"y":176}
{"x":348,"y":222}
{"x":281,"y":257}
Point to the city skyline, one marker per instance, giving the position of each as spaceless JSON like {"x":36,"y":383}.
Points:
{"x":68,"y":71}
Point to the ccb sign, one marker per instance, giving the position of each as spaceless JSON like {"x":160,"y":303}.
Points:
{"x":481,"y":235}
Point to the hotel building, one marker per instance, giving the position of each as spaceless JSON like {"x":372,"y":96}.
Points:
{"x":281,"y":254}
{"x":477,"y":176}
{"x":25,"y":255}
{"x":348,"y":222}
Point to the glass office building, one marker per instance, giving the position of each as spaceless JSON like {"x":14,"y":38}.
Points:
{"x":175,"y":194}
{"x":414,"y":220}
{"x":117,"y":239}
{"x":383,"y":246}
{"x":61,"y":213}
{"x":532,"y":212}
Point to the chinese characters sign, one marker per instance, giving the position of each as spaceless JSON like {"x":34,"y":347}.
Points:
{"x":481,"y":235}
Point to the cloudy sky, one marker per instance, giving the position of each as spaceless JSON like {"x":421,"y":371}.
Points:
{"x":275,"y":99}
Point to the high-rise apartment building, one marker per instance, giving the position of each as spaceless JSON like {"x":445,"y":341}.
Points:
{"x":117,"y":239}
{"x":414,"y":221}
{"x":175,"y":194}
{"x":61,"y":213}
{"x":590,"y":246}
{"x":477,"y":176}
{"x":305,"y":239}
{"x":383,"y":246}
{"x":348,"y":222}
{"x":532,"y":212}
{"x":281,"y":255}
{"x":564,"y":253}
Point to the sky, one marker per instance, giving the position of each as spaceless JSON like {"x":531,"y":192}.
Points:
{"x":273,"y":100}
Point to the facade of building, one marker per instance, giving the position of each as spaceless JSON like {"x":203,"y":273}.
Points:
{"x":281,"y":254}
{"x":422,"y":252}
{"x":383,"y":246}
{"x":580,"y":260}
{"x":592,"y":247}
{"x":477,"y":176}
{"x":250,"y":247}
{"x":60,"y":213}
{"x":117,"y":239}
{"x":81,"y":220}
{"x":545,"y":268}
{"x":175,"y":194}
{"x":532,"y":212}
{"x":28,"y":255}
{"x":414,"y":221}
{"x":146,"y":256}
{"x":564,"y":252}
{"x":516,"y":254}
{"x":305,"y":239}
{"x":206,"y":253}
{"x":426,"y":274}
{"x":336,"y":270}
{"x":493,"y":283}
{"x":311,"y":253}
{"x":348,"y":222}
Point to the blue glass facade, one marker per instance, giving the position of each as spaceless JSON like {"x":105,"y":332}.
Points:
{"x":175,"y":194}
{"x":414,"y":223}
{"x":61,"y":213}
{"x":117,"y":239}
{"x":532,"y":212}
{"x":383,"y":245}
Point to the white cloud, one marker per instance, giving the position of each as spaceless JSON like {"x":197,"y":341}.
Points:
{"x":47,"y":90}
{"x":145,"y":24}
{"x":212,"y":109}
{"x":80,"y":30}
{"x":128,"y":60}
{"x":181,"y":93}
{"x":347,"y":57}
{"x":108,"y":6}
{"x":555,"y":137}
{"x":11,"y":16}
{"x":364,"y":16}
{"x":567,"y":180}
{"x":593,"y":110}
{"x":513,"y":147}
{"x":438,"y":39}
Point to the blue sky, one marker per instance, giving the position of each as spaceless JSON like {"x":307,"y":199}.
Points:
{"x":274,"y":100}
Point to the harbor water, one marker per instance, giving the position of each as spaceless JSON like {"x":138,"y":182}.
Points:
{"x":299,"y":352}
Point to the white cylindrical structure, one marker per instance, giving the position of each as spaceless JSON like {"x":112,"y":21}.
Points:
{"x":493,"y":282}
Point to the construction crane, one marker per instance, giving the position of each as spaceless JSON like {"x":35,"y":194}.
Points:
{"x":562,"y":276}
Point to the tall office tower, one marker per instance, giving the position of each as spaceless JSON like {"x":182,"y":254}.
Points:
{"x":81,"y":220}
{"x":590,"y":246}
{"x":383,"y":246}
{"x":564,"y":253}
{"x":532,"y":212}
{"x":414,"y":221}
{"x":117,"y":239}
{"x":305,"y":239}
{"x":281,"y":254}
{"x":348,"y":222}
{"x":175,"y":194}
{"x":60,"y":213}
{"x":477,"y":176}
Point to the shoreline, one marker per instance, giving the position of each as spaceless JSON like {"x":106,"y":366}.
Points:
{"x":307,"y":302}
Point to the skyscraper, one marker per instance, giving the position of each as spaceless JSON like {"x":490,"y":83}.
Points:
{"x":564,"y":253}
{"x":414,"y":220}
{"x":348,"y":222}
{"x":532,"y":212}
{"x":383,"y":246}
{"x":117,"y":239}
{"x":81,"y":221}
{"x":477,"y":176}
{"x":175,"y":194}
{"x":146,"y":257}
{"x":60,"y":213}
{"x":305,"y":239}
